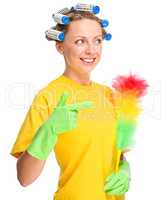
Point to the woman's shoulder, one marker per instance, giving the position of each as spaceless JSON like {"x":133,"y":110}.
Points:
{"x":106,"y":90}
{"x":104,"y":87}
{"x":47,"y":93}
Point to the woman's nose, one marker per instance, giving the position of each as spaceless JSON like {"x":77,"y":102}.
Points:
{"x":90,"y":48}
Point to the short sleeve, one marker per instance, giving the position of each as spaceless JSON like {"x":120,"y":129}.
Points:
{"x":36,"y":115}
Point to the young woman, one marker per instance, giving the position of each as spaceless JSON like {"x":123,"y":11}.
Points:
{"x":75,"y":117}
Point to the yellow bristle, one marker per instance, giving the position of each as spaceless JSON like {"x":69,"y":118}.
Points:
{"x":127,"y":106}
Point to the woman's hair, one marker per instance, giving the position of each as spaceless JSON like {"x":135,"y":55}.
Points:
{"x":78,"y":15}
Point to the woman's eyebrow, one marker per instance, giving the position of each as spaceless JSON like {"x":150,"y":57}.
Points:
{"x":98,"y":36}
{"x":81,"y":36}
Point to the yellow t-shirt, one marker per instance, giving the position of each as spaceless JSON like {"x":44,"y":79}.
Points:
{"x":87,"y":154}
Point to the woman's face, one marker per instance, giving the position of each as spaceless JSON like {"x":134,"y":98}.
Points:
{"x":82,"y":46}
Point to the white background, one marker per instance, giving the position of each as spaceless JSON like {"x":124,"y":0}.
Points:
{"x":28,"y":62}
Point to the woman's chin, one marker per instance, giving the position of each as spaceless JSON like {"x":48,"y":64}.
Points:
{"x":87,"y":67}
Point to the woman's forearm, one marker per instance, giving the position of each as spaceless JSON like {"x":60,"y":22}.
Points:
{"x":28,"y":168}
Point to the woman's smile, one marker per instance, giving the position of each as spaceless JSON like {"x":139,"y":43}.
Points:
{"x":88,"y":61}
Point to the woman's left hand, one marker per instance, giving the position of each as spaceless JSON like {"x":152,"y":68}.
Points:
{"x":117,"y":184}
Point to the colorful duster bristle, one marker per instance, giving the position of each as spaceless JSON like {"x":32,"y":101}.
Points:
{"x":128,"y":90}
{"x":131,"y":84}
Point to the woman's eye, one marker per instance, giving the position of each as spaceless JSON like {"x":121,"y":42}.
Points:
{"x":98,"y":41}
{"x":79,"y":41}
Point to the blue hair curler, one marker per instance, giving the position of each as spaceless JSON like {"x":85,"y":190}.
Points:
{"x":87,"y":7}
{"x":107,"y":36}
{"x":55,"y":35}
{"x":104,"y":23}
{"x":61,"y":19}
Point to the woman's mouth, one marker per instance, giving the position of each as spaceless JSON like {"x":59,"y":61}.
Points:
{"x":88,"y":61}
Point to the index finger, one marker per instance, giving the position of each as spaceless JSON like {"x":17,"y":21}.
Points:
{"x":79,"y":106}
{"x":63,"y":99}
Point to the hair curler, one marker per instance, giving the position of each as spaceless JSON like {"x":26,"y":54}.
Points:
{"x":107,"y":36}
{"x":87,"y":7}
{"x":63,"y":10}
{"x":55,"y":35}
{"x":60,"y":18}
{"x":104,"y":23}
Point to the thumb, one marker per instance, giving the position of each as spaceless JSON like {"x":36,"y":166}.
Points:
{"x":63,"y":99}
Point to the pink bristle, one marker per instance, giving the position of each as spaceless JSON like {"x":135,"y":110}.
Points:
{"x":130,"y":83}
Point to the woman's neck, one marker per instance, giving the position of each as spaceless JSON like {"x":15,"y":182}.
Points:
{"x":83,"y":79}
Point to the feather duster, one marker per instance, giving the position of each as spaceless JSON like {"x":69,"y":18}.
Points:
{"x":128,"y":92}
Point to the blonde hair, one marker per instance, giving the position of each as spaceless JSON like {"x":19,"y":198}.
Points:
{"x":78,"y":15}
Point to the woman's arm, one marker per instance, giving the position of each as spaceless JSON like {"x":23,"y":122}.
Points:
{"x":28,"y":168}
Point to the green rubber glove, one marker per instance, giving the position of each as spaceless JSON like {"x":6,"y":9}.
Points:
{"x":117,"y":184}
{"x":62,"y":119}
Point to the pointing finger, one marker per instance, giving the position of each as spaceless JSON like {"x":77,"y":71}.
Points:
{"x":79,"y":106}
{"x":63,"y":99}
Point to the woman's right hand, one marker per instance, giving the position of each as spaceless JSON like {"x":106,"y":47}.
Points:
{"x":62,"y":119}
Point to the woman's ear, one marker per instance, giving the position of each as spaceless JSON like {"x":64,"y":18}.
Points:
{"x":59,"y":47}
